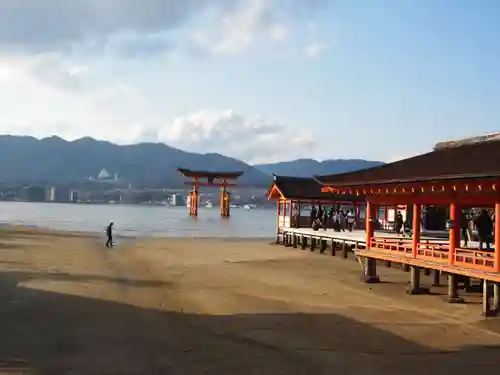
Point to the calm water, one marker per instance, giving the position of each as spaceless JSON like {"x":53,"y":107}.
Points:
{"x":157,"y":221}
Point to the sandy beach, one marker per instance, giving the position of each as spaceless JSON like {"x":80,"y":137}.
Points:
{"x":68,"y":305}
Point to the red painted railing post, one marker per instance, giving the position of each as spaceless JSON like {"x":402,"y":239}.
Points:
{"x":417,"y":209}
{"x":454,"y":232}
{"x":497,"y":237}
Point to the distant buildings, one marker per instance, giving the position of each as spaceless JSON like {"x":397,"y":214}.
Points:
{"x":59,"y":194}
{"x":177,"y":200}
{"x":33,"y":193}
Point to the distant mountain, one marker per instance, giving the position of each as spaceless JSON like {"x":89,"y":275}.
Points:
{"x":57,"y":161}
{"x":310,"y":167}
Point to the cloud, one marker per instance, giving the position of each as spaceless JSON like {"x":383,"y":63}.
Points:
{"x":135,"y":27}
{"x":250,"y":138}
{"x":49,"y":25}
{"x":316,"y":45}
{"x":314,"y":49}
{"x":242,"y":26}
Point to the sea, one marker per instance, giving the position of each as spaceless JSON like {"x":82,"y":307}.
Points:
{"x":141,"y":220}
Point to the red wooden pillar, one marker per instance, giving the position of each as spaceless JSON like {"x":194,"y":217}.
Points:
{"x":497,"y":237}
{"x":290,"y":214}
{"x":278,"y":209}
{"x":284,"y":213}
{"x":358,"y":215}
{"x":417,"y":209}
{"x":369,"y":227}
{"x":454,"y":232}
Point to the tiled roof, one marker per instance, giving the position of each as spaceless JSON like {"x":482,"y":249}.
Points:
{"x":476,"y":160}
{"x":307,"y":189}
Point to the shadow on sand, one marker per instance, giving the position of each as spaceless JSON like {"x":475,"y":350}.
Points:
{"x":51,"y":333}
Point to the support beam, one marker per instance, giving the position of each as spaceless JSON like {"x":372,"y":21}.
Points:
{"x":414,"y":287}
{"x":345,"y":250}
{"x":487,"y":297}
{"x":294,"y":241}
{"x":497,"y":237}
{"x":467,"y":284}
{"x":496,"y":298}
{"x":436,"y":278}
{"x":322,"y":245}
{"x":453,"y":296}
{"x":370,"y":271}
{"x":333,"y":247}
{"x":303,"y":242}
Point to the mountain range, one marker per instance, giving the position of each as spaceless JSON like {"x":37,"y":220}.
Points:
{"x":53,"y":160}
{"x":311,"y":167}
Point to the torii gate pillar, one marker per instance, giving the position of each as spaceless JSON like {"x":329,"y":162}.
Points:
{"x":225,"y":207}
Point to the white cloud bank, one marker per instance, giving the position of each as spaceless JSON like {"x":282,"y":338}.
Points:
{"x":52,"y":79}
{"x":251,"y":138}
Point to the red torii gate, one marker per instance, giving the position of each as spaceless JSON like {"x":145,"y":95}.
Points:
{"x":220,"y":179}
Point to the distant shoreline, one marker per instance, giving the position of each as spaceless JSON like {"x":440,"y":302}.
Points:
{"x":12,"y":228}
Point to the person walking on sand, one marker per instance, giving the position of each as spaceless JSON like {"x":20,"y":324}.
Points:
{"x":109,"y":234}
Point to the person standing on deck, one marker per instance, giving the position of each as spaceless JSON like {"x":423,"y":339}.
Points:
{"x":484,"y":226}
{"x":464,"y":225}
{"x":330,"y":217}
{"x":350,"y":220}
{"x":342,"y":220}
{"x":320,"y":213}
{"x":313,"y":215}
{"x":324,"y":219}
{"x":398,"y":222}
{"x":109,"y":234}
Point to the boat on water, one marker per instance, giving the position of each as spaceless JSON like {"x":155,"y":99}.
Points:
{"x":208,"y":204}
{"x":249,"y":206}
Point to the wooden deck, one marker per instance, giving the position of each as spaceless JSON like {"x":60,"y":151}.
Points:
{"x":432,"y":252}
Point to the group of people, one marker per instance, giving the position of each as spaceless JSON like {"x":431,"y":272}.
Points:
{"x":482,"y":221}
{"x":401,"y":226}
{"x":334,"y":218}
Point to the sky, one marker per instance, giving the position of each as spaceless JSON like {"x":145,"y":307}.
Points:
{"x":259,"y":80}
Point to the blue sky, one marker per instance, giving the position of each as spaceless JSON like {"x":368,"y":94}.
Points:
{"x":261,"y":80}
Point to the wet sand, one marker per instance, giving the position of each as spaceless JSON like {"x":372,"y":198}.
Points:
{"x":68,"y":305}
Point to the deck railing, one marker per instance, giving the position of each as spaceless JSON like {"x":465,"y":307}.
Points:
{"x":401,"y":246}
{"x":437,"y":251}
{"x":478,"y":259}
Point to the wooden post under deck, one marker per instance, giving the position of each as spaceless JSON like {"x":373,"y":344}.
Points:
{"x":370,"y":265}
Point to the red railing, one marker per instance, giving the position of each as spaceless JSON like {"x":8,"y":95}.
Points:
{"x":436,"y":251}
{"x":391,"y":244}
{"x":479,"y":259}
